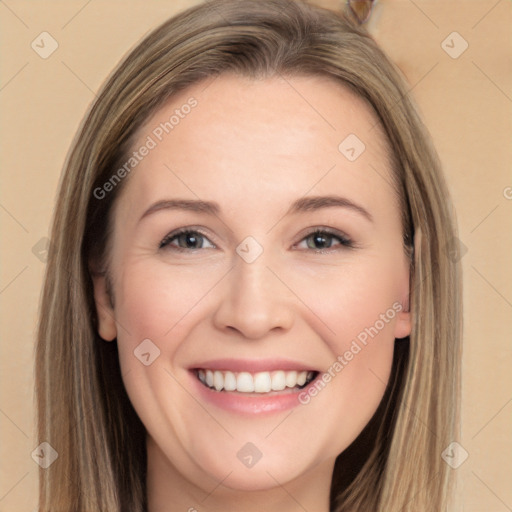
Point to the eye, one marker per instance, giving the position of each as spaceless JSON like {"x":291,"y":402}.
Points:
{"x":324,"y":239}
{"x":186,"y":239}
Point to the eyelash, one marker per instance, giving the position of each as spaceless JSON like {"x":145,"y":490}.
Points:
{"x":344,"y":241}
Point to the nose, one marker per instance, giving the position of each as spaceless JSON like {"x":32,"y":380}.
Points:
{"x":254,"y":302}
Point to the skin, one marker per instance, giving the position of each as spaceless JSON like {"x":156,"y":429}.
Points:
{"x":255,"y":147}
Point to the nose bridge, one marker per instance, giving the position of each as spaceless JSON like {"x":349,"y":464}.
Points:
{"x":251,"y":263}
{"x":254,"y":302}
{"x":251,"y":281}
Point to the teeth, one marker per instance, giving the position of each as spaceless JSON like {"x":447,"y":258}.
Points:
{"x":218,"y":381}
{"x":229,"y":381}
{"x":301,"y":378}
{"x":278,"y":381}
{"x":290,"y":379}
{"x":261,"y":382}
{"x":245,"y":382}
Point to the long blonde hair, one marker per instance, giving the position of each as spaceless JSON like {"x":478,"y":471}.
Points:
{"x":83,"y":409}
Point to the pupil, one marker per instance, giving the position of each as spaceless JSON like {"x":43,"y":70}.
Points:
{"x":320,"y":241}
{"x":190,"y":240}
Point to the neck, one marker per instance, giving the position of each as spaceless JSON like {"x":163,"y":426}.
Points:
{"x":168,"y":490}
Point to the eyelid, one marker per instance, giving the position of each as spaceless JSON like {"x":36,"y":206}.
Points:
{"x":185,"y":229}
{"x":345,"y":241}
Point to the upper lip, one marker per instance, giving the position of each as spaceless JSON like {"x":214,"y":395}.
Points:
{"x":252,"y":365}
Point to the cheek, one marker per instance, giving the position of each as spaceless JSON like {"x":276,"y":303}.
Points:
{"x":358,"y":380}
{"x":359,"y":301}
{"x":354,"y":309}
{"x":354,"y":382}
{"x":154,"y":300}
{"x":154,"y":308}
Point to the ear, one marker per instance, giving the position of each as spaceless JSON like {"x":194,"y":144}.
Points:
{"x":403,"y":325}
{"x":105,"y":312}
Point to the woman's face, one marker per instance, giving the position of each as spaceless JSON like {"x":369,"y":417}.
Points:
{"x":257,"y":243}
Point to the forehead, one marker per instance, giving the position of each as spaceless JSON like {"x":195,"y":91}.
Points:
{"x":284,"y":134}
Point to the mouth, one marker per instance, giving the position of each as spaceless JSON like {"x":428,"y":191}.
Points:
{"x":256,"y":384}
{"x":252,"y":386}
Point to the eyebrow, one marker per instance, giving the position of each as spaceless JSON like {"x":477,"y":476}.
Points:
{"x":194,"y":205}
{"x":304,"y":204}
{"x":312,"y":203}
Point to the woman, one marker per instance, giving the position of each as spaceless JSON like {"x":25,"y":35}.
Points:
{"x":249,"y":303}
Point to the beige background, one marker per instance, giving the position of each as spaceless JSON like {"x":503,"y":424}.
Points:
{"x":465,"y":101}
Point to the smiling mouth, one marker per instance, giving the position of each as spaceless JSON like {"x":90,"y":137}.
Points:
{"x":259,"y":382}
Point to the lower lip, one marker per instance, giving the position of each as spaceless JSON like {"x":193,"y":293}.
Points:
{"x":249,"y":403}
